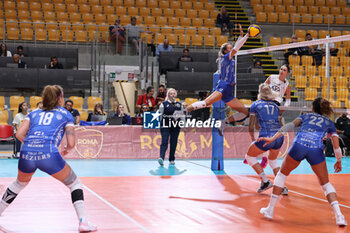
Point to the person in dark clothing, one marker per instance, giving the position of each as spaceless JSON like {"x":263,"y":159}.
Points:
{"x":168,"y":110}
{"x":161,"y":94}
{"x":295,"y":51}
{"x":68,"y":104}
{"x":54,"y":64}
{"x":98,"y":114}
{"x":185,"y":57}
{"x":120,"y":113}
{"x":17,"y":59}
{"x":20,"y":51}
{"x":223,"y":21}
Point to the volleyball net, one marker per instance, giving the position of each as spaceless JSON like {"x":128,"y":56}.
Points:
{"x":319,"y":68}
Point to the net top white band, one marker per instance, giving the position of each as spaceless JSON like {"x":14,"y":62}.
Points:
{"x":295,"y":45}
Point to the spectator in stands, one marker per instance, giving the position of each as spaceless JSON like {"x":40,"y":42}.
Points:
{"x":54,"y":64}
{"x":17,"y":60}
{"x":332,"y":49}
{"x":144,"y":108}
{"x":203,"y":113}
{"x":256,"y":67}
{"x":296,"y":51}
{"x":17,"y":121}
{"x":120,"y":113}
{"x":165,"y":47}
{"x":314,"y":51}
{"x":39,"y":105}
{"x":4,"y":51}
{"x":185,"y":57}
{"x":147,"y":99}
{"x":98,"y":114}
{"x":133,"y":31}
{"x":161,"y":95}
{"x":20,"y":51}
{"x":68,"y":104}
{"x":223,"y":21}
{"x":118,"y":35}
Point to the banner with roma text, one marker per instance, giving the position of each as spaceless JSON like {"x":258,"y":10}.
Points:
{"x":134,"y":142}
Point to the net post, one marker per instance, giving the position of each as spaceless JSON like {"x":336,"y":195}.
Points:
{"x":327,"y":67}
{"x":217,"y":160}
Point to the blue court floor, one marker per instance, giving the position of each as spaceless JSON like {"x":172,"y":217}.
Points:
{"x":95,"y":168}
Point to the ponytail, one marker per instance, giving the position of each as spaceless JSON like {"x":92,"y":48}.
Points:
{"x":50,"y":95}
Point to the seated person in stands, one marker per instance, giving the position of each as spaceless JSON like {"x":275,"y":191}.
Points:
{"x":4,"y":52}
{"x":161,"y":95}
{"x":147,"y":99}
{"x":332,"y":49}
{"x":98,"y":114}
{"x":223,"y":21}
{"x":256,"y":67}
{"x":54,"y":64}
{"x":75,"y":113}
{"x":39,"y":105}
{"x":120,"y":113}
{"x":296,"y":51}
{"x":165,"y":47}
{"x":185,"y":57}
{"x":20,"y":51}
{"x":314,"y":51}
{"x":133,"y":32}
{"x":17,"y":60}
{"x":117,"y":35}
{"x":144,"y":108}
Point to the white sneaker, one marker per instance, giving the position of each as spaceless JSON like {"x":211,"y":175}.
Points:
{"x":87,"y":227}
{"x":267,"y":213}
{"x":340,"y":220}
{"x":172,"y":162}
{"x":161,"y":161}
{"x":221,"y":128}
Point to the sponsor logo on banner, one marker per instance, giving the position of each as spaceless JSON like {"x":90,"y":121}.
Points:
{"x":151,"y":120}
{"x":89,"y":142}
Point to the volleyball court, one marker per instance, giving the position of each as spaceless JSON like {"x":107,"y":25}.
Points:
{"x":139,"y":196}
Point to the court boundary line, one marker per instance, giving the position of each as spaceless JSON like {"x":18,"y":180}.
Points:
{"x":256,"y":181}
{"x":117,"y":210}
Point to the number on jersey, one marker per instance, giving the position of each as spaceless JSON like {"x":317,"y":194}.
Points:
{"x":45,"y":118}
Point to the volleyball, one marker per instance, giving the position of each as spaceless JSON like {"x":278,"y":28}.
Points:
{"x":254,"y":30}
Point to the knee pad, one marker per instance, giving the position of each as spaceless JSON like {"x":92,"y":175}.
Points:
{"x":251,"y":160}
{"x":328,"y":188}
{"x":279,"y":180}
{"x":199,"y":104}
{"x":273,"y":164}
{"x":17,"y":186}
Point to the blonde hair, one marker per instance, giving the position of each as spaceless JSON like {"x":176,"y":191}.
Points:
{"x":265,"y":92}
{"x":168,"y":92}
{"x":50,"y":95}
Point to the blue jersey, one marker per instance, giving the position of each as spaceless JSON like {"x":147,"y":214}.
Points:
{"x":46,"y":129}
{"x":227,"y":69}
{"x":312,"y":130}
{"x":267,"y":113}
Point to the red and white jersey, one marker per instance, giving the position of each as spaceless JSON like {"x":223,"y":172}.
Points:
{"x":278,"y":87}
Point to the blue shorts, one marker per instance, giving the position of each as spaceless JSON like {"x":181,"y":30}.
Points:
{"x":313,"y":155}
{"x":226,"y":89}
{"x":49,"y":163}
{"x":275,"y":145}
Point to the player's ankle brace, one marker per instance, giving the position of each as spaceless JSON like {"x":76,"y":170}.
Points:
{"x":199,"y":104}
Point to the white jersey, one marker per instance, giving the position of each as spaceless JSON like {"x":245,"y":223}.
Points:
{"x":278,"y":87}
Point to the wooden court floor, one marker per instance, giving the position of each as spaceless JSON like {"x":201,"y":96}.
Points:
{"x":176,"y":204}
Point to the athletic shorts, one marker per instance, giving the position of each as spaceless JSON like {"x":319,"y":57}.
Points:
{"x":275,"y":145}
{"x":226,"y":89}
{"x":313,"y":155}
{"x":49,"y":163}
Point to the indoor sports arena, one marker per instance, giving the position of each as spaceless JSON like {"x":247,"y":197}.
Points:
{"x":159,"y":116}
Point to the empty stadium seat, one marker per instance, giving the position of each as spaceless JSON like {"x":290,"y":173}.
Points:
{"x":15,"y":101}
{"x":190,"y":101}
{"x":4,"y":116}
{"x":2,"y":103}
{"x":83,"y":115}
{"x":300,"y":82}
{"x":325,"y":92}
{"x":310,"y":94}
{"x":275,"y":41}
{"x":78,"y":102}
{"x":314,"y":81}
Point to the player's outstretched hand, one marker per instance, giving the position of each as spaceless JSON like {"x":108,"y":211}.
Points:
{"x":241,"y":30}
{"x":337,"y":167}
{"x":266,"y":140}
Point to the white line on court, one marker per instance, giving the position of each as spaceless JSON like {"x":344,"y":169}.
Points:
{"x":117,"y":210}
{"x":256,"y":181}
